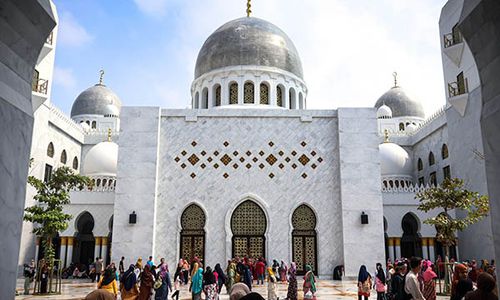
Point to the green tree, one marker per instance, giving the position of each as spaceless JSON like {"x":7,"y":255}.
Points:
{"x":451,"y":195}
{"x":47,"y":214}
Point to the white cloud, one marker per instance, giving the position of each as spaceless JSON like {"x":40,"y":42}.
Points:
{"x":71,"y":33}
{"x":64,"y":78}
{"x":154,"y":8}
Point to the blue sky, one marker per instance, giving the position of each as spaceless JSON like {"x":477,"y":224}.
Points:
{"x":349,"y":48}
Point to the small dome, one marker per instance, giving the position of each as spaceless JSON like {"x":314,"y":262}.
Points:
{"x":394,"y":160}
{"x":101,"y":160}
{"x":401,"y":105}
{"x":384,"y":112}
{"x":96,"y":100}
{"x":248,"y":41}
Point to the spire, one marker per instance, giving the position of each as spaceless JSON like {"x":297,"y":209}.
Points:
{"x":109,"y":134}
{"x":395,"y":75}
{"x":249,"y":8}
{"x":101,"y":76}
{"x":386,"y":136}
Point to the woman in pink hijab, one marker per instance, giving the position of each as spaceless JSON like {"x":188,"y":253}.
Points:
{"x":429,"y":289}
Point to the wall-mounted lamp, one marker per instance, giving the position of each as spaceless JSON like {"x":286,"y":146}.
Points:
{"x":364,"y":218}
{"x":132,"y":218}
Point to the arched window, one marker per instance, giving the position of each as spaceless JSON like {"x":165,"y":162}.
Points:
{"x":196,"y":104}
{"x":88,"y":122}
{"x":98,"y":182}
{"x":292,"y":99}
{"x":304,"y":238}
{"x":279,"y":96}
{"x":248,"y":225}
{"x":75,"y":163}
{"x":233,"y":93}
{"x":204,"y":101}
{"x":193,"y":221}
{"x":217,"y":95}
{"x":64,"y":157}
{"x":301,"y":101}
{"x":50,"y":150}
{"x":264,"y":93}
{"x":444,"y":151}
{"x":420,"y":164}
{"x":401,"y":126}
{"x":94,"y":124}
{"x":432,"y":160}
{"x":249,"y":93}
{"x":385,"y":183}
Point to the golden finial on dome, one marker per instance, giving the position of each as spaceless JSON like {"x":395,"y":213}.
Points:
{"x":395,"y":75}
{"x":101,"y":76}
{"x":109,"y":134}
{"x":386,"y":136}
{"x":249,"y":7}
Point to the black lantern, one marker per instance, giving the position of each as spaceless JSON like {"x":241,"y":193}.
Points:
{"x":364,"y":218}
{"x":132,"y":218}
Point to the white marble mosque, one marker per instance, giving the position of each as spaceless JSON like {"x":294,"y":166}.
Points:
{"x":249,"y":170}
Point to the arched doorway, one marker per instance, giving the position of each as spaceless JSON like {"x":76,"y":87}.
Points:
{"x":411,"y":243}
{"x":83,"y":251}
{"x":248,"y":224}
{"x":193,"y":232}
{"x":304,"y":245}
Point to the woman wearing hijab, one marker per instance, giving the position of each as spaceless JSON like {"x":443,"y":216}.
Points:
{"x":231,"y":276}
{"x":239,"y":291}
{"x":283,"y":271}
{"x":364,"y":283}
{"x":209,"y":284}
{"x":147,"y":282}
{"x":128,"y":286}
{"x":380,"y":283}
{"x":271,"y":285}
{"x":463,"y":287}
{"x":292,"y":282}
{"x":276,"y":267}
{"x":196,"y":266}
{"x":309,"y":285}
{"x":247,"y":276}
{"x":196,"y":284}
{"x":429,"y":287}
{"x":221,"y":278}
{"x":485,"y":288}
{"x":108,"y":282}
{"x":460,"y":272}
{"x":166,"y":285}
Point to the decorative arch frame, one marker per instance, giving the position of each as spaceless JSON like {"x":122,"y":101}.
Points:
{"x":180,"y":233}
{"x":416,"y":240}
{"x":204,"y":98}
{"x":316,"y":233}
{"x":444,"y":151}
{"x":432,"y":159}
{"x":50,"y":150}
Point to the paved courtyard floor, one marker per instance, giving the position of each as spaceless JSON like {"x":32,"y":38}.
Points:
{"x":327,"y":289}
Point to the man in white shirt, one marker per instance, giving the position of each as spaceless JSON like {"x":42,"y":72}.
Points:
{"x":412,"y":286}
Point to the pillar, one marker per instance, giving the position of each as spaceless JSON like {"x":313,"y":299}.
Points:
{"x":104,"y":243}
{"x":69,"y":257}
{"x":397,"y":242}
{"x":62,"y":251}
{"x":432,"y":256}
{"x":97,"y":247}
{"x":390,"y":242}
{"x":425,"y":250}
{"x":37,"y":249}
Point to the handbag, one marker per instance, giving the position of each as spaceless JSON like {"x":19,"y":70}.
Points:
{"x":308,"y":295}
{"x":158,"y":283}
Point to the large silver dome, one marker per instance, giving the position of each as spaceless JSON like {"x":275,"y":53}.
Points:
{"x":400,"y":104}
{"x":96,"y":100}
{"x":248,"y":41}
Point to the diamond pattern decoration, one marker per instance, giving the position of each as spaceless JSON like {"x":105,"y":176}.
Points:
{"x":193,"y":175}
{"x":183,"y":165}
{"x":216,"y":153}
{"x":242,"y":159}
{"x":303,"y":144}
{"x":261,"y":153}
{"x":303,"y":159}
{"x":177,"y":159}
{"x":248,"y":166}
{"x":287,"y":159}
{"x":216,"y":165}
{"x":320,"y":160}
{"x":294,"y":152}
{"x":281,"y":153}
{"x":248,"y":153}
{"x":193,"y":143}
{"x":235,"y":153}
{"x":271,"y":175}
{"x":281,"y":166}
{"x":193,"y":159}
{"x":255,"y":159}
{"x":271,"y":159}
{"x":294,"y":166}
{"x":209,"y":159}
{"x":313,"y":153}
{"x":225,"y":159}
{"x":235,"y":166}
{"x":225,"y":175}
{"x":271,"y":144}
{"x":203,"y":166}
{"x":183,"y":153}
{"x":261,"y":166}
{"x":203,"y":153}
{"x":304,"y":175}
{"x":314,"y":166}
{"x":225,"y":144}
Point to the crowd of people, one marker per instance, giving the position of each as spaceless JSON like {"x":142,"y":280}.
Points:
{"x":152,"y":281}
{"x":415,"y":278}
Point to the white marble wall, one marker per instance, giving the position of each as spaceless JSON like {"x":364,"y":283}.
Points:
{"x":360,"y":188}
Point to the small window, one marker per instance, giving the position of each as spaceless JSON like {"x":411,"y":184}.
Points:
{"x":196,"y":100}
{"x":48,"y":173}
{"x":444,"y":151}
{"x":447,"y":172}
{"x":432,"y":160}
{"x":249,"y":93}
{"x":391,"y":183}
{"x":64,"y":157}
{"x":279,"y":96}
{"x":385,"y":183}
{"x":88,"y":122}
{"x":94,"y":124}
{"x":401,"y":126}
{"x":292,"y":100}
{"x":98,"y":183}
{"x":420,"y":164}
{"x":421,"y":181}
{"x":264,"y":94}
{"x":75,"y":163}
{"x":233,"y":93}
{"x":204,"y":100}
{"x":217,"y":96}
{"x":433,"y":179}
{"x":50,"y":150}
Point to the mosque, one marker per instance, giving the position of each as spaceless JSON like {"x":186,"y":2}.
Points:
{"x":249,"y":170}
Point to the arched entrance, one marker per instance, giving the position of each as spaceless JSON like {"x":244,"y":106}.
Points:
{"x":304,"y":246}
{"x":248,"y":224}
{"x":83,"y":251}
{"x":193,"y":232}
{"x":411,"y":243}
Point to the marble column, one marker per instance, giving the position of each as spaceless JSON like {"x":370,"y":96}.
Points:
{"x":432,"y":256}
{"x":37,"y":249}
{"x":69,"y":257}
{"x":397,"y":242}
{"x":62,"y":250}
{"x":104,"y":251}
{"x":425,"y":253}
{"x":390,"y":243}
{"x":97,"y":247}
